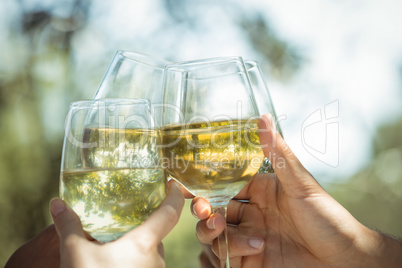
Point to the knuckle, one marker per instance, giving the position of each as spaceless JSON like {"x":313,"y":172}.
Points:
{"x":144,"y":244}
{"x":70,"y":241}
{"x":202,"y":237}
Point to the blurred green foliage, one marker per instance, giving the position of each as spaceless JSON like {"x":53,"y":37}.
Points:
{"x":182,"y":248}
{"x":42,"y":71}
{"x":374,"y":195}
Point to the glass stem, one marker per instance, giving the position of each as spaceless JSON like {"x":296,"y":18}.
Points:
{"x":223,"y":246}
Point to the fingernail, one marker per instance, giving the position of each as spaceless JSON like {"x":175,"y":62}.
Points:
{"x":57,"y":206}
{"x":193,"y":211}
{"x":211,"y":223}
{"x":256,"y":243}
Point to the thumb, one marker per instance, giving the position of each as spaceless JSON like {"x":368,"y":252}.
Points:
{"x":295,"y":179}
{"x":67,"y":223}
{"x":162,"y":221}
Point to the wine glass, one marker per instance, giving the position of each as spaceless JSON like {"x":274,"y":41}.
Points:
{"x":210,"y":131}
{"x":111,"y":173}
{"x":134,"y":75}
{"x":264,"y":102}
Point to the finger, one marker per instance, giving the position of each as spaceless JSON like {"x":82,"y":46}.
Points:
{"x":208,"y":259}
{"x":209,"y":229}
{"x":186,"y":193}
{"x":245,"y":214}
{"x":244,"y":194}
{"x":205,"y":261}
{"x":242,"y":243}
{"x":235,"y":211}
{"x":291,"y":173}
{"x":161,"y":250}
{"x":162,"y":221}
{"x":66,"y":222}
{"x":200,"y":208}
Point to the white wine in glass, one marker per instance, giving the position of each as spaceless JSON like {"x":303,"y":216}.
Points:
{"x":111,"y":174}
{"x":214,"y":160}
{"x":210,"y":131}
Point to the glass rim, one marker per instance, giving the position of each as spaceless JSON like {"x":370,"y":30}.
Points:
{"x":251,"y":65}
{"x":143,"y":58}
{"x":175,"y":66}
{"x":116,"y":101}
{"x":251,"y":62}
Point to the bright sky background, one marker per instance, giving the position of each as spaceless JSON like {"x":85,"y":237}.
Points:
{"x":355,"y":55}
{"x":353,"y":68}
